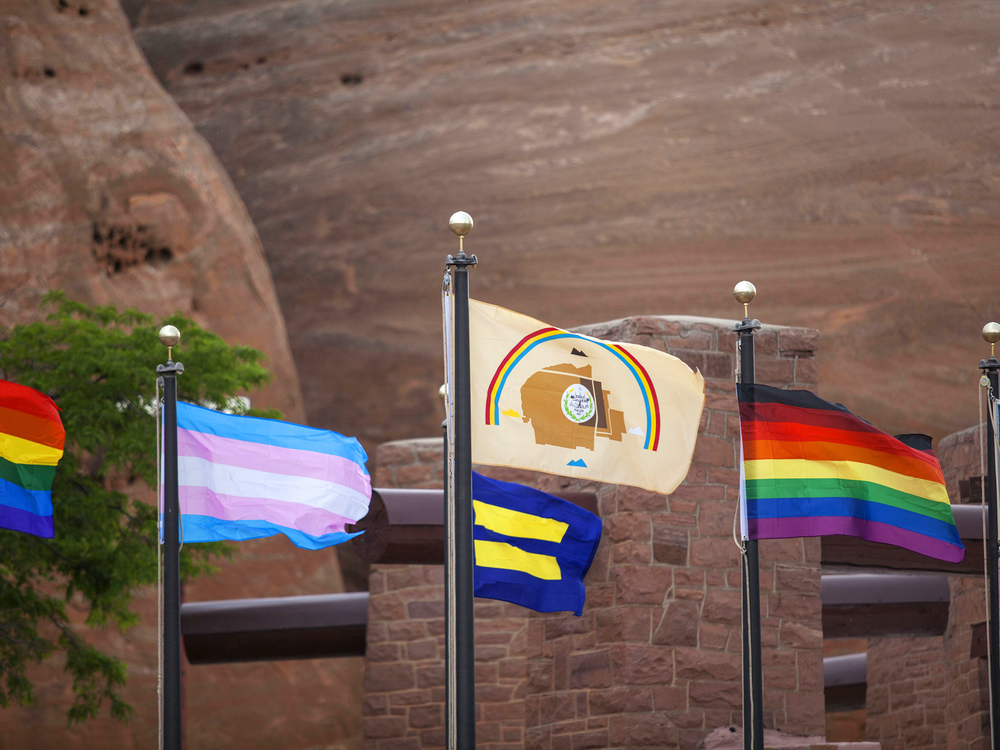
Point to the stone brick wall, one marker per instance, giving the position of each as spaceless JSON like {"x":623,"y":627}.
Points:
{"x":907,"y":694}
{"x":929,"y":693}
{"x":959,"y":455}
{"x":967,"y":710}
{"x":655,"y":660}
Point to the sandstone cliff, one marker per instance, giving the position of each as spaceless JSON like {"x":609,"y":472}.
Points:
{"x":618,"y":158}
{"x":107,"y":191}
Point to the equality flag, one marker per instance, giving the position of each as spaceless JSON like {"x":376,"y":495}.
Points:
{"x":551,"y":400}
{"x":811,"y":468}
{"x":245,"y":478}
{"x":531,"y":548}
{"x":32,"y":439}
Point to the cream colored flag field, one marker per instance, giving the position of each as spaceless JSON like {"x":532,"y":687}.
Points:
{"x":559,"y":402}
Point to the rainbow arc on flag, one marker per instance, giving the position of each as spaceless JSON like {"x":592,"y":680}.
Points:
{"x":812,"y":468}
{"x":32,"y":439}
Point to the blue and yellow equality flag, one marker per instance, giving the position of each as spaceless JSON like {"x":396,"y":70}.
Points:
{"x":532,"y":548}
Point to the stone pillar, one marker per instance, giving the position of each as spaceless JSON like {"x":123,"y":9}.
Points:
{"x":907,"y":694}
{"x":930,"y":693}
{"x":655,"y":659}
{"x":967,"y":690}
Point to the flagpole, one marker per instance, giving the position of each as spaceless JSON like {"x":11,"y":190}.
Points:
{"x":462,"y":676}
{"x":753,"y":683}
{"x":990,"y":368}
{"x":173,"y":731}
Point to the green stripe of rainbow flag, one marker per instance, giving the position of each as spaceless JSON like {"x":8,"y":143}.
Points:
{"x":812,"y":468}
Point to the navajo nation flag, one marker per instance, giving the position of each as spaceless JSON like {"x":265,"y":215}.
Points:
{"x":31,"y":443}
{"x":551,"y":400}
{"x":812,"y":468}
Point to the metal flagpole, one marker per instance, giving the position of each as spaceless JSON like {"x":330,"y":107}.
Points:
{"x":753,"y":684}
{"x":461,"y":665}
{"x":173,"y":731}
{"x":990,"y":368}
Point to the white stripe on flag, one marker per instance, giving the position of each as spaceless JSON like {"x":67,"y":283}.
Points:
{"x":251,"y":483}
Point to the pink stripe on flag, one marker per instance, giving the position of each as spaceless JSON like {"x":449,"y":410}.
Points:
{"x":289,"y":461}
{"x":201,"y":501}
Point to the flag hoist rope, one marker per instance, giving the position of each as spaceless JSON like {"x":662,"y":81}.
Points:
{"x":451,"y":677}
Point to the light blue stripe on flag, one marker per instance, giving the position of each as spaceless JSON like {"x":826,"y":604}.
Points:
{"x":208,"y":529}
{"x":269,"y":432}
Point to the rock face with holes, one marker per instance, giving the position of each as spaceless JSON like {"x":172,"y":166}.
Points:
{"x":616,"y":157}
{"x":107,"y":191}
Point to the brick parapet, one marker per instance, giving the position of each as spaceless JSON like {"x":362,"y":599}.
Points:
{"x":959,"y":454}
{"x":655,"y":659}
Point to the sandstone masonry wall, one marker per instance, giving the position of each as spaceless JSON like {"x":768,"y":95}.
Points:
{"x":929,"y":693}
{"x":655,"y":659}
{"x":907,"y":692}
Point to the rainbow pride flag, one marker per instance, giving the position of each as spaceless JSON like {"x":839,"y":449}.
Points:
{"x":811,"y":468}
{"x":245,"y":478}
{"x":31,"y":443}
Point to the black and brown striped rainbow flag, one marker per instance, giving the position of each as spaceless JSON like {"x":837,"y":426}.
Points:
{"x":811,"y":468}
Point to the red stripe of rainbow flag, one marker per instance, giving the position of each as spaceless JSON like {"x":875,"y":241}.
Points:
{"x":812,"y":468}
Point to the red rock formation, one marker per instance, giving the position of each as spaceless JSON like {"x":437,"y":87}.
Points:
{"x":619,"y":158}
{"x":107,"y":191}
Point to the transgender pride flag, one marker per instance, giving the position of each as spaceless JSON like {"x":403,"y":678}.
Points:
{"x":246,"y":478}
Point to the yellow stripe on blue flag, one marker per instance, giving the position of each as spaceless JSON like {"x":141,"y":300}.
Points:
{"x":532,"y":548}
{"x":514,"y":523}
{"x":507,"y":557}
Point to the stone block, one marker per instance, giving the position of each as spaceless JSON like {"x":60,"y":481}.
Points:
{"x":636,"y":500}
{"x":642,"y":730}
{"x":641,"y":665}
{"x":387,"y":678}
{"x":715,"y":694}
{"x":628,"y":527}
{"x":421,"y":650}
{"x":623,"y":625}
{"x":701,"y":664}
{"x":423,"y":609}
{"x":679,"y":624}
{"x":714,"y":451}
{"x":424,"y":717}
{"x":632,"y":553}
{"x":589,"y":670}
{"x":798,"y":340}
{"x":641,"y":585}
{"x":590,"y":739}
{"x":558,"y":707}
{"x":719,"y":553}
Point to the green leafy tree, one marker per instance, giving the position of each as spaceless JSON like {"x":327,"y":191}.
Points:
{"x":98,"y":364}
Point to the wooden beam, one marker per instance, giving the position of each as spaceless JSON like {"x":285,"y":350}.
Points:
{"x":851,"y":552}
{"x":406,"y":527}
{"x":879,"y":605}
{"x":292,"y":627}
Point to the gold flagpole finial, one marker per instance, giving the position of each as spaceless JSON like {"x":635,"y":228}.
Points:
{"x":461,"y":224}
{"x":991,"y":335}
{"x":744,"y":292}
{"x":170,"y":337}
